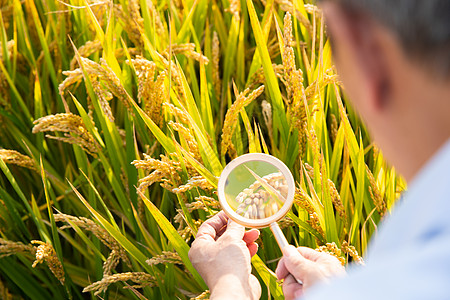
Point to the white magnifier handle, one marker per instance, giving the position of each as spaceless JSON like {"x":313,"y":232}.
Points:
{"x":279,"y":236}
{"x":281,"y":240}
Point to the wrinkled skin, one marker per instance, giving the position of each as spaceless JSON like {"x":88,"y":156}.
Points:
{"x":221,"y":254}
{"x":308,"y":266}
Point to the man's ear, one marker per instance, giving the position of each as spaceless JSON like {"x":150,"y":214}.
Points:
{"x":359,"y":55}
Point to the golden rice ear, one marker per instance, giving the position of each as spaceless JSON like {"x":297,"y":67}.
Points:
{"x":217,"y":82}
{"x":332,"y":248}
{"x":314,"y":222}
{"x":167,"y":257}
{"x":180,"y":115}
{"x":117,"y":251}
{"x":296,"y":100}
{"x":203,"y":296}
{"x":232,"y":117}
{"x":258,"y":77}
{"x":235,"y":9}
{"x":375,"y":194}
{"x":140,"y":279}
{"x":333,"y":127}
{"x":188,"y":50}
{"x":45,"y":252}
{"x":164,"y":170}
{"x":132,"y":21}
{"x":203,"y":203}
{"x":176,"y":77}
{"x":8,"y":248}
{"x":103,"y":97}
{"x":16,"y":158}
{"x":74,"y":128}
{"x":194,"y":182}
{"x":151,"y":91}
{"x":74,"y":77}
{"x":351,"y":250}
{"x":187,"y":232}
{"x":188,"y":137}
{"x":85,"y":51}
{"x":109,"y":80}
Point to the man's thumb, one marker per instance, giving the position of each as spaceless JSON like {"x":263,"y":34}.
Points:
{"x":296,"y":264}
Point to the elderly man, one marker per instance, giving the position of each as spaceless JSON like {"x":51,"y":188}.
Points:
{"x":394,"y":60}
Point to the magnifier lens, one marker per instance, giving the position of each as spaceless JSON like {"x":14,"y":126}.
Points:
{"x":256,"y":189}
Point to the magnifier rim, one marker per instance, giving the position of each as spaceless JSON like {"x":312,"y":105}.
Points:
{"x":256,"y":223}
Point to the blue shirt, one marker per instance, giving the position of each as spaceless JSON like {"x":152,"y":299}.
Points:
{"x":409,"y":257}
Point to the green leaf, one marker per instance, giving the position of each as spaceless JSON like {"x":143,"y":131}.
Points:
{"x":171,"y":233}
{"x":271,"y":79}
{"x":268,"y":277}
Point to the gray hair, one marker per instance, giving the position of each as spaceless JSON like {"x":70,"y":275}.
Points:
{"x":421,"y":26}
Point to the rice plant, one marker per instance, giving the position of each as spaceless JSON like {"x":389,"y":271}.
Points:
{"x":117,"y":117}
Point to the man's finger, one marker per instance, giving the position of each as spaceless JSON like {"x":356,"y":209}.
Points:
{"x":295,"y":263}
{"x":234,"y":231}
{"x":210,"y":228}
{"x":251,"y":236}
{"x":309,"y":253}
{"x":291,"y":288}
{"x":281,"y":270}
{"x":253,"y":248}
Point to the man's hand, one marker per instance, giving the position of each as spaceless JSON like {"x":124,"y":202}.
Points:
{"x":221,"y":254}
{"x":307,"y":265}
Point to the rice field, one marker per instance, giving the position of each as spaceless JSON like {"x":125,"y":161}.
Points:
{"x":117,"y":118}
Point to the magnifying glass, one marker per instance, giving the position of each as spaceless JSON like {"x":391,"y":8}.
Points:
{"x":256,"y":190}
